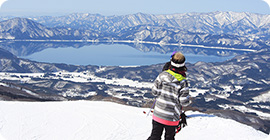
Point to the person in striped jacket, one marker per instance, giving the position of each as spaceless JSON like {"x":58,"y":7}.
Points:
{"x":172,"y":92}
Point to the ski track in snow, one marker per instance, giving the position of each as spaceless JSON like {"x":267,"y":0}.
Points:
{"x":93,"y":120}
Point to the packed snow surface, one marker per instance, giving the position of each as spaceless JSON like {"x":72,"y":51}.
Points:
{"x":94,"y":120}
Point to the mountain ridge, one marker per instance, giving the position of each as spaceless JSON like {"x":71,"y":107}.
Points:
{"x":221,"y":87}
{"x":216,"y":19}
{"x":24,"y":28}
{"x":244,"y":33}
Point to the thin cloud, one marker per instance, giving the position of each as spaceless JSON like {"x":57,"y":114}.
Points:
{"x":268,"y":2}
{"x":2,"y":2}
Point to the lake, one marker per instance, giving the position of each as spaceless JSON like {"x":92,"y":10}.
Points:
{"x":115,"y":55}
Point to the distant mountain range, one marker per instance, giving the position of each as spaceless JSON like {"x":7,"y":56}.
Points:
{"x":223,"y":29}
{"x":241,"y":24}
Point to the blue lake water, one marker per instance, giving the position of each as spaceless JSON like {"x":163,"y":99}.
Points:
{"x":111,"y":55}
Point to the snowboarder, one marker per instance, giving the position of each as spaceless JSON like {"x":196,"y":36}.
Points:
{"x":171,"y":89}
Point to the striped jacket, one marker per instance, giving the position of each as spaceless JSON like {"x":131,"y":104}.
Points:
{"x":172,"y":93}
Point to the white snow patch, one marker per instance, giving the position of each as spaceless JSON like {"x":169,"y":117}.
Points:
{"x":30,"y":92}
{"x":20,"y":76}
{"x":267,"y":82}
{"x":128,"y":66}
{"x":195,"y":92}
{"x":76,"y":93}
{"x":90,"y":120}
{"x":268,"y":138}
{"x":101,"y":69}
{"x":82,"y":77}
{"x":263,"y":106}
{"x":245,"y":110}
{"x":223,"y":96}
{"x":254,"y":89}
{"x":3,"y":84}
{"x":130,"y":83}
{"x":257,"y":82}
{"x":262,"y":98}
{"x":238,"y":87}
{"x":208,"y":99}
{"x":2,"y":138}
{"x":227,"y":88}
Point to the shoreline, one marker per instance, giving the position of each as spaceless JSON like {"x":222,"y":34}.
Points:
{"x":129,"y":42}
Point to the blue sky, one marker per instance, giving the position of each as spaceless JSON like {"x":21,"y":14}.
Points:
{"x":123,"y":7}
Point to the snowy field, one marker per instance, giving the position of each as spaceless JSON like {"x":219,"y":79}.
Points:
{"x":89,"y":120}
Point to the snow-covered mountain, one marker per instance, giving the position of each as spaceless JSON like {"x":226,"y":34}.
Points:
{"x":223,"y":29}
{"x":212,"y":23}
{"x":23,"y":28}
{"x":86,"y":120}
{"x":246,"y":25}
{"x":234,"y":23}
{"x":236,"y":89}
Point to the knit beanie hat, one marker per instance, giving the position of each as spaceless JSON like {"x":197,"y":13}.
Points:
{"x":178,"y":60}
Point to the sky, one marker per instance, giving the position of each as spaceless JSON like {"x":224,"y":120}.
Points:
{"x":124,"y":7}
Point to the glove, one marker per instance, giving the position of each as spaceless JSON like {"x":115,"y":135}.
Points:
{"x":182,"y":123}
{"x":183,"y":119}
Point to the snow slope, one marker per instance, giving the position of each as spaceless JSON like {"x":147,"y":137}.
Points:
{"x":89,"y":120}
